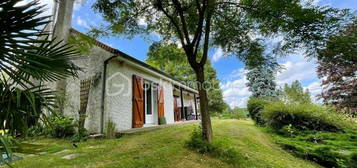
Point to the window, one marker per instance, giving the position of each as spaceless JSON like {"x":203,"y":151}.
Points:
{"x":148,"y":98}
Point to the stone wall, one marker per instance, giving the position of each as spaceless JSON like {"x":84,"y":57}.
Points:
{"x":92,"y":68}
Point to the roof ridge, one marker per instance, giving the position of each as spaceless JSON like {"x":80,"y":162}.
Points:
{"x":116,"y":51}
{"x":98,"y":43}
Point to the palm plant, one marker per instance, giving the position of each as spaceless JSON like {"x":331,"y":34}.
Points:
{"x":25,"y":50}
{"x":27,"y":54}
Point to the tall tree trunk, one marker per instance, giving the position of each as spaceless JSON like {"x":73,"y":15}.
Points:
{"x":206,"y":120}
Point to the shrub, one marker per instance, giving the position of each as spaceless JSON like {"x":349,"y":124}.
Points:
{"x":7,"y":144}
{"x":36,"y":130}
{"x":235,"y":113}
{"x":60,"y":126}
{"x":239,"y":113}
{"x":162,"y":121}
{"x":197,"y":143}
{"x":81,"y":133}
{"x":254,"y":107}
{"x":305,"y":117}
{"x":219,"y":148}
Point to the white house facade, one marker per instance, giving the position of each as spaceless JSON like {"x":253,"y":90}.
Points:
{"x":113,"y":86}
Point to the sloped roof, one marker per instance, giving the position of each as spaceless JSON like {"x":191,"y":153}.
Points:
{"x":130,"y":58}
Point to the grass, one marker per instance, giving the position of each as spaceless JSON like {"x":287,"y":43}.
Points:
{"x":164,"y":148}
{"x":326,"y":148}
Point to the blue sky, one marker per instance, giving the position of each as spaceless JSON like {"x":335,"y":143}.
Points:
{"x":229,"y":69}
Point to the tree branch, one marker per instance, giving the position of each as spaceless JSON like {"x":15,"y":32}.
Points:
{"x":160,"y":7}
{"x":183,"y":21}
{"x":198,"y":33}
{"x":206,"y":40}
{"x":253,"y":8}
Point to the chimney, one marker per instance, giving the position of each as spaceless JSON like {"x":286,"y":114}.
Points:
{"x":62,"y":18}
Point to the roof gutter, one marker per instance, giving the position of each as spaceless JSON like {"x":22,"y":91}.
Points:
{"x":147,"y":68}
{"x":104,"y":84}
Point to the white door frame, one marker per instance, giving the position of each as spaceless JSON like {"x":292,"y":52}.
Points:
{"x":149,"y":118}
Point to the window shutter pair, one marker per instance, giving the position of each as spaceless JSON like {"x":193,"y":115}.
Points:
{"x":138,"y":102}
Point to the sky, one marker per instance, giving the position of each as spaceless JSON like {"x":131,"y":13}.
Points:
{"x":230,"y":70}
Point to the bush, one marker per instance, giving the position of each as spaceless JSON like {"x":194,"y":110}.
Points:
{"x":60,"y":126}
{"x":81,"y":133}
{"x":305,"y":117}
{"x":220,"y":147}
{"x":239,"y":113}
{"x":254,"y":107}
{"x":36,"y":130}
{"x":197,"y":143}
{"x":162,"y":121}
{"x":7,"y":144}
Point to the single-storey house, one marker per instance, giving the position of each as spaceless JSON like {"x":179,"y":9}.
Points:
{"x":113,"y":86}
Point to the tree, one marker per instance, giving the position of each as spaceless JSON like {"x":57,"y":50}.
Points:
{"x":171,"y":59}
{"x":296,"y":94}
{"x":28,"y":55}
{"x":261,"y":73}
{"x":229,"y":24}
{"x":337,"y":67}
{"x":261,"y":83}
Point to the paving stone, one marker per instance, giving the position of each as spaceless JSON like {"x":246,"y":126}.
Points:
{"x":62,"y":151}
{"x":70,"y":156}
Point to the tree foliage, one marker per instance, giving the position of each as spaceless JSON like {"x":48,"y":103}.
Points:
{"x":229,"y":24}
{"x":295,"y":94}
{"x":172,"y":60}
{"x":261,"y":82}
{"x":262,"y":68}
{"x":337,"y":67}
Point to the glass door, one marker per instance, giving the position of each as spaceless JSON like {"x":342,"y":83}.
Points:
{"x":150,"y":103}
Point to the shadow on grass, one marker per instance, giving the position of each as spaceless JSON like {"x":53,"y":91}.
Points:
{"x":219,"y":148}
{"x":29,"y":148}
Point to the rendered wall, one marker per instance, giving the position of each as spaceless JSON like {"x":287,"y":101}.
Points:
{"x":92,"y":68}
{"x":118,"y":101}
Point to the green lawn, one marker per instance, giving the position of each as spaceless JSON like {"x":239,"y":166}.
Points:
{"x":162,"y":148}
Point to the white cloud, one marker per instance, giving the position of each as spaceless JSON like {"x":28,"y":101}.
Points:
{"x":314,"y":89}
{"x":235,"y":92}
{"x":296,"y":68}
{"x":296,"y":71}
{"x":82,"y":22}
{"x":142,"y":22}
{"x":157,"y":35}
{"x":313,"y":2}
{"x":217,"y":55}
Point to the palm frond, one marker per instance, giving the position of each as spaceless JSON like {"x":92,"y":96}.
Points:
{"x":26,"y":51}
